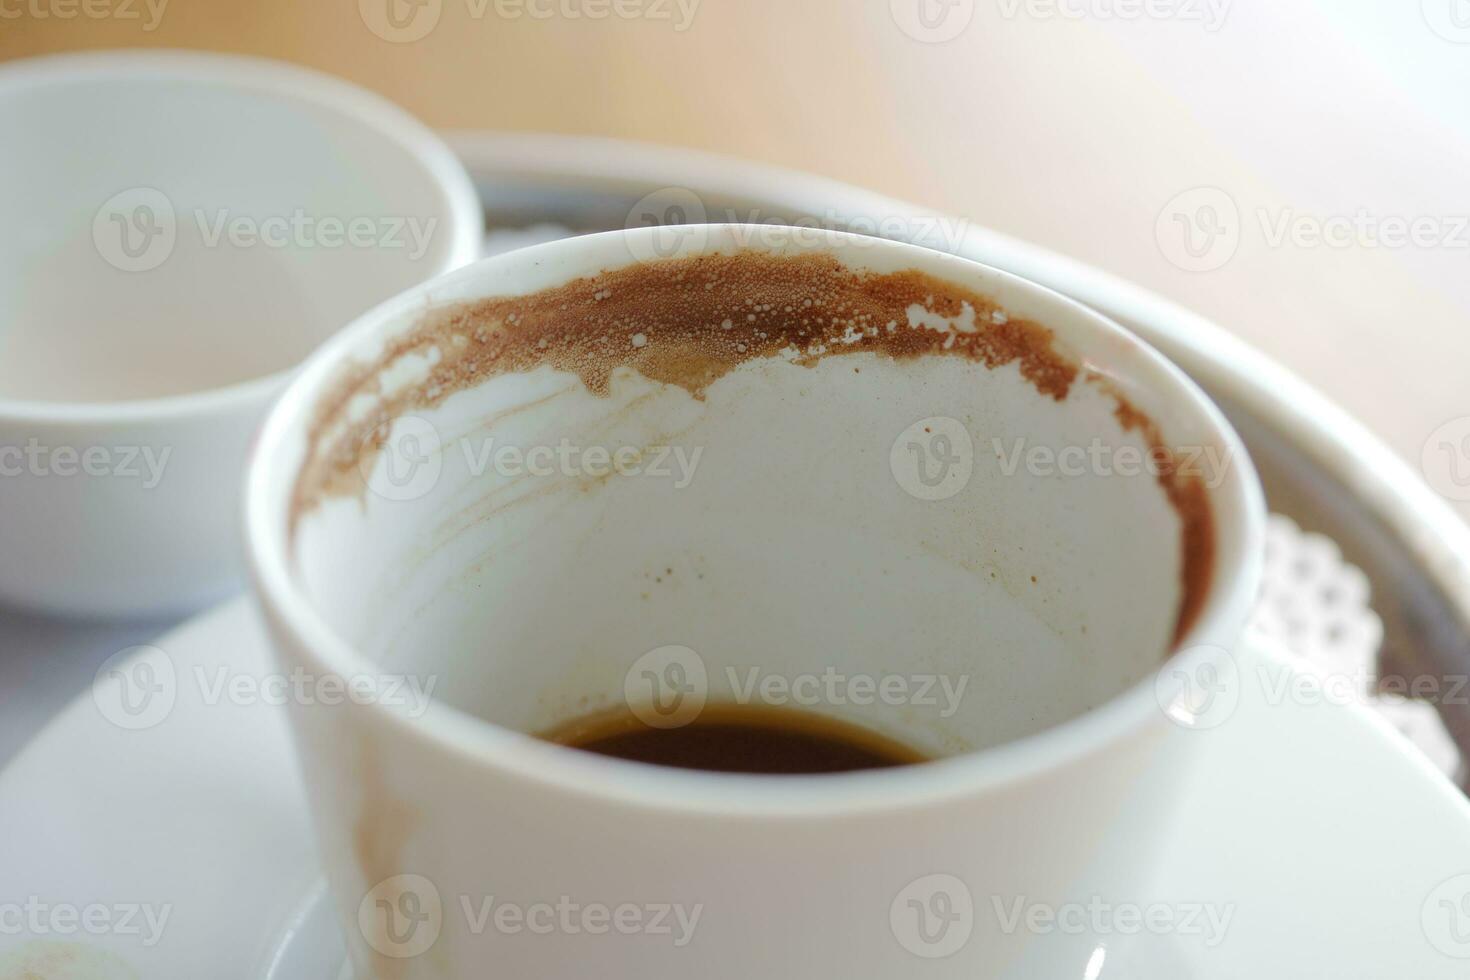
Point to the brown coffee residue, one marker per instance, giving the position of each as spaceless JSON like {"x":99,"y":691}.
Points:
{"x":1187,"y":495}
{"x":385,"y":825}
{"x":685,"y":322}
{"x":688,"y":322}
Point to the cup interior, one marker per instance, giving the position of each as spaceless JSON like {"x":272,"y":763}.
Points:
{"x":850,"y":476}
{"x":188,"y":222}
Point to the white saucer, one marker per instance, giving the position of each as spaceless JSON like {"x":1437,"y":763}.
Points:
{"x":1343,"y":853}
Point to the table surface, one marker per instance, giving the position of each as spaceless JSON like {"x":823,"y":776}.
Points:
{"x":1327,"y":130}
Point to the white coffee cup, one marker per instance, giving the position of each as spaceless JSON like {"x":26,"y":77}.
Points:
{"x":180,"y":230}
{"x":884,"y":502}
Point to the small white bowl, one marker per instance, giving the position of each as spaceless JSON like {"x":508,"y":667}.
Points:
{"x":180,"y":230}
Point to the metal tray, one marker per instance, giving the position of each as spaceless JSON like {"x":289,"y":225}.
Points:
{"x":1320,"y":467}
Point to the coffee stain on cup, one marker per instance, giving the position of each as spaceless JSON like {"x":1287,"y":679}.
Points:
{"x":688,"y":322}
{"x":385,"y":824}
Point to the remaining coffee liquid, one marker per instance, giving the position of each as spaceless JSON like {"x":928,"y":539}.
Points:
{"x":741,"y":738}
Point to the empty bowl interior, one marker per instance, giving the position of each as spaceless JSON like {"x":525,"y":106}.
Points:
{"x":178,"y":223}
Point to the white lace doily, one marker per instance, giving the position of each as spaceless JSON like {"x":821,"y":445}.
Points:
{"x":1318,"y":606}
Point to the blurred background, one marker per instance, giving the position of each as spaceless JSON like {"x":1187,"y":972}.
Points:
{"x":1294,"y":169}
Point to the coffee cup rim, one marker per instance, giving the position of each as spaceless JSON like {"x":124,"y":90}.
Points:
{"x":290,"y":83}
{"x":273,"y":468}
